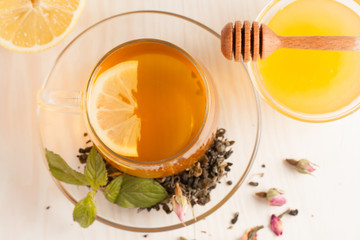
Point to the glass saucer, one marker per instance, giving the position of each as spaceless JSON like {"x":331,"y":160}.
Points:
{"x":238,"y":105}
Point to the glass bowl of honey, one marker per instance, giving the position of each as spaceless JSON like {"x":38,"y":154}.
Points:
{"x":310,"y":85}
{"x":149,"y":89}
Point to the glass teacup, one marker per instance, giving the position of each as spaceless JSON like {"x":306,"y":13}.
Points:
{"x":124,"y":153}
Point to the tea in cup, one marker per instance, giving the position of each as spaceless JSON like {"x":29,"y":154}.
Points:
{"x":148,"y":106}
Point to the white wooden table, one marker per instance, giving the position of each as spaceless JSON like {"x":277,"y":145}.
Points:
{"x":328,"y":203}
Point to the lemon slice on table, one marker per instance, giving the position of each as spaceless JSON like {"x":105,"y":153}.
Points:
{"x":35,"y":25}
{"x":112,"y":108}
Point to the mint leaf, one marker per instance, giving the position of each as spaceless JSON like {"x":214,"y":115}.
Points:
{"x":139,"y":192}
{"x":62,"y":171}
{"x":112,"y":190}
{"x":95,"y":170}
{"x":85,"y":210}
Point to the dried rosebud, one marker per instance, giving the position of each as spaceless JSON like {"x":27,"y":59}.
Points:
{"x":273,"y":196}
{"x":303,"y":165}
{"x":276,"y":225}
{"x":251,"y":234}
{"x":179,"y":203}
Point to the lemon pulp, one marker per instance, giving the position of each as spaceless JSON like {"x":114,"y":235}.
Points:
{"x":35,"y":25}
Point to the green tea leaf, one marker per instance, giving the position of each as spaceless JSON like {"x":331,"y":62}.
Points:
{"x":95,"y":170}
{"x":62,"y":171}
{"x":139,"y":192}
{"x":85,"y":210}
{"x":113,"y":189}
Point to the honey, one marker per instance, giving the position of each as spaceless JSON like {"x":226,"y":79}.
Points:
{"x":310,"y":81}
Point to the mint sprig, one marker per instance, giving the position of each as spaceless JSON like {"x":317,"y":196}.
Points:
{"x":62,"y":171}
{"x":131,"y":192}
{"x":125,"y":190}
{"x":85,"y":210}
{"x":95,"y":170}
{"x":112,"y":190}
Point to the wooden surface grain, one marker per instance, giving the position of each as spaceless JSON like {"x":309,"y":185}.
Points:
{"x":328,"y":203}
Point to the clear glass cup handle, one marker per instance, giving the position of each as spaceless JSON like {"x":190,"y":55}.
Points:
{"x":66,"y":101}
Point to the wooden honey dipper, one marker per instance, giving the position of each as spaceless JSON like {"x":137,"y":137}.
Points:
{"x":250,"y":41}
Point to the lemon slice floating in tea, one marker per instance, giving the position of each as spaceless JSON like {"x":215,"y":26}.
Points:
{"x":112,"y":107}
{"x":35,"y":25}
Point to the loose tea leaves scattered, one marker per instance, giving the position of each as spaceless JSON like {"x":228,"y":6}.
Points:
{"x":254,"y":184}
{"x":83,"y":154}
{"x":293,"y":212}
{"x":198,"y":181}
{"x":235,"y":218}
